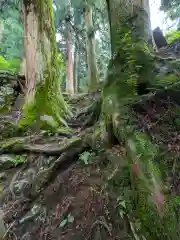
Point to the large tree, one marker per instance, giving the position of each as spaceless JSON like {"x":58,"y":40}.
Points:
{"x":43,"y":96}
{"x":131,"y":67}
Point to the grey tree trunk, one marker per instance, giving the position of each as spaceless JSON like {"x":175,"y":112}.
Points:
{"x":91,"y":53}
{"x":75,"y":66}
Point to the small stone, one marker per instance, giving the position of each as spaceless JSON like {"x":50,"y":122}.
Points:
{"x":6,"y":162}
{"x":2,"y":176}
{"x":35,"y":210}
{"x":2,"y":226}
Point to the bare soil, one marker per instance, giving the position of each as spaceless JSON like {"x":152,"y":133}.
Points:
{"x":77,"y":191}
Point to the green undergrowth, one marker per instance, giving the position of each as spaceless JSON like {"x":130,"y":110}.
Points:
{"x":11,"y":65}
{"x":171,"y":74}
{"x":172,"y":35}
{"x":11,"y":142}
{"x":19,"y":159}
{"x":166,"y":81}
{"x":135,"y":197}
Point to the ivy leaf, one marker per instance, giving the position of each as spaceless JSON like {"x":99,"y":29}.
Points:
{"x":123,"y":204}
{"x":63,"y":223}
{"x":70,"y":218}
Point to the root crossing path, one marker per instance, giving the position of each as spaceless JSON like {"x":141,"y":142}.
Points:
{"x":52,"y":186}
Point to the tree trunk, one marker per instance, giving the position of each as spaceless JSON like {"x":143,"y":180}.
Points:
{"x":130,"y":31}
{"x":43,"y":95}
{"x":69,"y":69}
{"x":76,"y":65}
{"x":130,"y":66}
{"x":1,"y":30}
{"x":69,"y":64}
{"x":91,"y":53}
{"x":78,"y":18}
{"x":124,"y":11}
{"x":22,"y":70}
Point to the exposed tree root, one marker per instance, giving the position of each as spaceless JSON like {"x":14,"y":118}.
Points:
{"x":68,"y":157}
{"x":19,"y":146}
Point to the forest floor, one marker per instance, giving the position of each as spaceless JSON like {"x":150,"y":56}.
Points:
{"x":58,"y":190}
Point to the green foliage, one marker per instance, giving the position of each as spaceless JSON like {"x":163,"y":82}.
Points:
{"x":172,"y":35}
{"x":19,"y":160}
{"x":166,"y":81}
{"x":172,"y":10}
{"x":11,"y":46}
{"x":85,"y":157}
{"x":11,"y":65}
{"x":66,"y":219}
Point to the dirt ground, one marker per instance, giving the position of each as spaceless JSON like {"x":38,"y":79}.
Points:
{"x":75,"y":204}
{"x":77,"y":191}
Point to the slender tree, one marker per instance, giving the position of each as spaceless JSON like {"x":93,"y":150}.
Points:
{"x":78,"y":24}
{"x":76,"y":67}
{"x":69,"y":66}
{"x":90,"y":46}
{"x":69,"y":44}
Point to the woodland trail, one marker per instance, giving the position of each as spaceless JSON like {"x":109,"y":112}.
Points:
{"x":60,"y":190}
{"x":60,"y":185}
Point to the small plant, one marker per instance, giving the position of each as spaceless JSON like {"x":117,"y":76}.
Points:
{"x":10,"y":65}
{"x":67,"y":219}
{"x":121,"y":206}
{"x":19,"y":160}
{"x":172,"y":35}
{"x":85,"y":157}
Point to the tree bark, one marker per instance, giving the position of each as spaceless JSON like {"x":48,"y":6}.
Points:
{"x":43,"y":95}
{"x":1,"y":30}
{"x":131,"y":64}
{"x":91,"y":53}
{"x":69,"y":69}
{"x":126,"y":10}
{"x":130,"y":31}
{"x":76,"y":65}
{"x":30,"y":45}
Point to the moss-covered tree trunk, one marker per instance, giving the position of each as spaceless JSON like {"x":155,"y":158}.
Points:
{"x":93,"y":77}
{"x":43,"y":95}
{"x":131,"y":65}
{"x":135,"y":14}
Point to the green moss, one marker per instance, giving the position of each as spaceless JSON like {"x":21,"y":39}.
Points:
{"x":19,"y":159}
{"x":132,"y":64}
{"x":172,"y":35}
{"x":47,"y":99}
{"x":11,"y":142}
{"x":165,"y":81}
